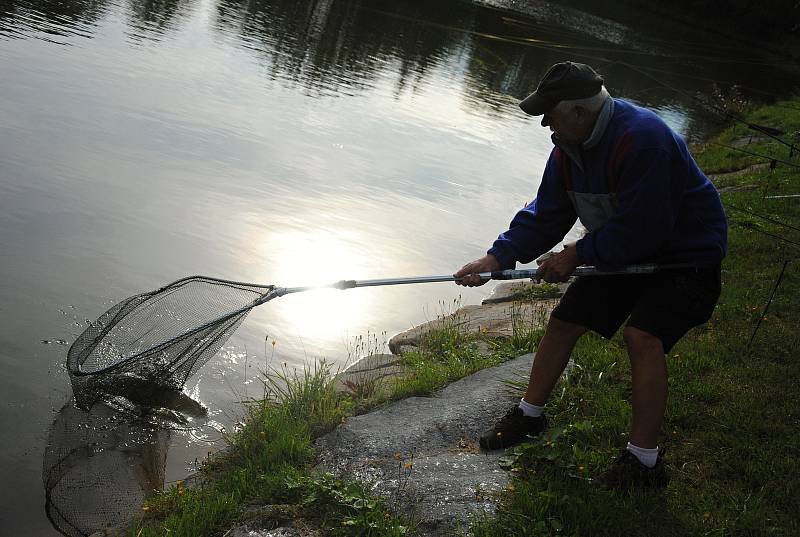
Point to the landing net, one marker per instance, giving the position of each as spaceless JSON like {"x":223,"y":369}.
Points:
{"x":163,"y":336}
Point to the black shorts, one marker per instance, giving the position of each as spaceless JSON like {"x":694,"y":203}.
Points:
{"x":665,"y":304}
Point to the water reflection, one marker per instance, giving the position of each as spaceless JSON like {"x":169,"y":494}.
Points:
{"x":345,"y":47}
{"x":318,"y":257}
{"x":53,"y":18}
{"x":151,"y":19}
{"x":101,"y":464}
{"x":56,"y":21}
{"x":333,"y":46}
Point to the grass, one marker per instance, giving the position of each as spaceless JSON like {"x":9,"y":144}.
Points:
{"x":730,"y":428}
{"x":732,"y":415}
{"x":269,"y":462}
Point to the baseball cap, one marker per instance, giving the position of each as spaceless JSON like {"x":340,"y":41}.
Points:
{"x":564,"y":81}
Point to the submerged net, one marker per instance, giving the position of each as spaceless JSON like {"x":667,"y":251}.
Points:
{"x":99,"y":467}
{"x":162,"y":337}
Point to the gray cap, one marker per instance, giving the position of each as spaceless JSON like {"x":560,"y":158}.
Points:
{"x":563,"y":82}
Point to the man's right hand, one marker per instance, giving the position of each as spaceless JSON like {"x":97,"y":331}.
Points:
{"x":468,"y":275}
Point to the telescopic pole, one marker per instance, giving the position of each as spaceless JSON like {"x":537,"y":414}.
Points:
{"x":497,"y":275}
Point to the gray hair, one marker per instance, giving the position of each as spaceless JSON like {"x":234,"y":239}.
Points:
{"x":592,"y":104}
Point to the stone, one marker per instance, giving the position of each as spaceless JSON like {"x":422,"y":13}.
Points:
{"x":491,"y":321}
{"x":369,"y":374}
{"x":271,"y":521}
{"x":737,"y":188}
{"x":245,"y":530}
{"x":738,"y":173}
{"x":524,"y":290}
{"x":747,"y":139}
{"x":422,"y":453}
{"x":110,"y":532}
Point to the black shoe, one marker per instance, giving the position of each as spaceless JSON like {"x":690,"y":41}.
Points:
{"x":512,"y":429}
{"x":627,"y":472}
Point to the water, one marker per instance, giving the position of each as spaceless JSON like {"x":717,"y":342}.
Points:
{"x":284,"y":142}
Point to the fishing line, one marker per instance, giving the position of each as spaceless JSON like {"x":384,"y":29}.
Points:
{"x":455,"y":28}
{"x":665,"y":55}
{"x":754,"y":154}
{"x":720,"y":110}
{"x":767,"y":233}
{"x":552,"y":45}
{"x":656,"y":42}
{"x":549,"y":45}
{"x":734,"y":207}
{"x":714,"y":81}
{"x":544,"y":43}
{"x":766,"y":307}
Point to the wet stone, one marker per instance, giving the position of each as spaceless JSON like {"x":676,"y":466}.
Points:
{"x":245,"y":530}
{"x":422,"y":452}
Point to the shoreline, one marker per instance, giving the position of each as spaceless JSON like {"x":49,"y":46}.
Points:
{"x":706,"y":371}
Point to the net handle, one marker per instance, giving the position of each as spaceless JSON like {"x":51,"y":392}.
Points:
{"x":510,"y":274}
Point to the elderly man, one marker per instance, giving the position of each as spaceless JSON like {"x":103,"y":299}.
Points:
{"x":633,"y":184}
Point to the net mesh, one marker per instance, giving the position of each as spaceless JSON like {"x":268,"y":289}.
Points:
{"x":163,"y":336}
{"x":99,"y":467}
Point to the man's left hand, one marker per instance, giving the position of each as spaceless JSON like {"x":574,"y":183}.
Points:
{"x":559,"y":267}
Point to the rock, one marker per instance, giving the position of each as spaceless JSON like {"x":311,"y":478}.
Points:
{"x":448,"y":479}
{"x":748,"y":139}
{"x":490,"y":320}
{"x":524,"y":290}
{"x":738,"y":188}
{"x":245,"y":531}
{"x":271,"y":521}
{"x":369,"y":374}
{"x":738,"y":173}
{"x":110,"y":532}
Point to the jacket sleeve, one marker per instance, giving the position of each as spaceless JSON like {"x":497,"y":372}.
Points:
{"x":540,"y":225}
{"x":649,"y":193}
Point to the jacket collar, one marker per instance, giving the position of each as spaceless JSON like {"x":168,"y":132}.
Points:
{"x":603,"y":119}
{"x":600,"y":126}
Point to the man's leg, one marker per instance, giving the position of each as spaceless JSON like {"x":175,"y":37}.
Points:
{"x":598,"y":303}
{"x":670,"y":304}
{"x":641,"y":464}
{"x":649,"y":379}
{"x":552,"y":356}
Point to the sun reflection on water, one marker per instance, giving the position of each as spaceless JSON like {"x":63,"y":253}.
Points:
{"x":320,"y":257}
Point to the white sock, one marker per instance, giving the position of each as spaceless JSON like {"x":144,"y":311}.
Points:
{"x":646,"y":456}
{"x":532,"y":411}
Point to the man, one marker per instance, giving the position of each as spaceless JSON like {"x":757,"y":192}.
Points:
{"x":635,"y":187}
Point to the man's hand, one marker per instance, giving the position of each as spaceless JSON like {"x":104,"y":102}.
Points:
{"x":469,"y":273}
{"x":560,"y":266}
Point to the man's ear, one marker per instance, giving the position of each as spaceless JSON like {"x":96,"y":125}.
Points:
{"x":582,"y":113}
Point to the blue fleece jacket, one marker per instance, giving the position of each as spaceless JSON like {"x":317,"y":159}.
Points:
{"x":667,"y":210}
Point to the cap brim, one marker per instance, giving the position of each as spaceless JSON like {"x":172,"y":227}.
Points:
{"x":536,"y":105}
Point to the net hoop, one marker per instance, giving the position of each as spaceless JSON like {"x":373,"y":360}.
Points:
{"x":87,"y":342}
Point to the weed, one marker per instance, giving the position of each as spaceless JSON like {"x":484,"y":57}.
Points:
{"x":345,"y":507}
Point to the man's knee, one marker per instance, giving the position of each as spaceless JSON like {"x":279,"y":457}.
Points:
{"x":637,"y":340}
{"x":564,"y":330}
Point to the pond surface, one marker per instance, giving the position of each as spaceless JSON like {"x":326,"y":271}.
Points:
{"x":274,"y":141}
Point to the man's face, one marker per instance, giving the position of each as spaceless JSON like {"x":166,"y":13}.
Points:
{"x":573,"y":125}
